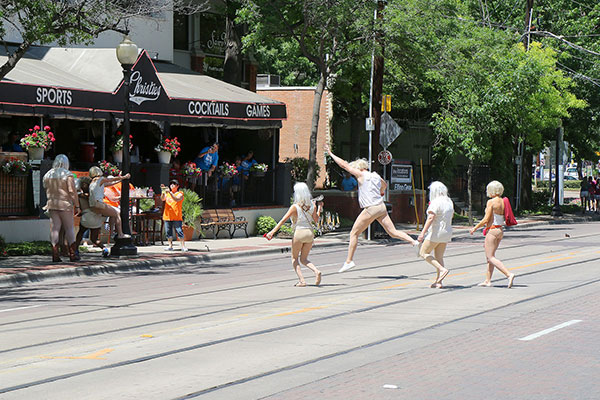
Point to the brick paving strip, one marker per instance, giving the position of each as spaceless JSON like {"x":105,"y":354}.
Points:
{"x":487,"y":363}
{"x":19,"y":270}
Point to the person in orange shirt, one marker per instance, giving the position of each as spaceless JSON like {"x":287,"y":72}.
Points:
{"x":172,"y":215}
{"x":112,"y":194}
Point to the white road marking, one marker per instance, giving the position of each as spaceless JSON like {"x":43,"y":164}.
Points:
{"x":20,"y":308}
{"x":550,"y":330}
{"x":390,"y":386}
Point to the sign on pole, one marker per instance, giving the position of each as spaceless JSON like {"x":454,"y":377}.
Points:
{"x":370,"y":124}
{"x":389,"y":131}
{"x":401,"y":177}
{"x":384,"y":157}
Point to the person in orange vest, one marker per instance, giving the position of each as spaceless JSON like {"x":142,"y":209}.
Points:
{"x":172,"y":214}
{"x":112,"y":194}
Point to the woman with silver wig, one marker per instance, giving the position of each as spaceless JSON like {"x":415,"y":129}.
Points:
{"x":371,"y":189}
{"x":301,"y":213}
{"x":62,"y":204}
{"x":437,"y":231}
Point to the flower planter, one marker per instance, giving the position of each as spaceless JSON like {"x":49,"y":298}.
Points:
{"x":164,"y":157}
{"x":36,"y":153}
{"x":188,"y":231}
{"x":118,"y":156}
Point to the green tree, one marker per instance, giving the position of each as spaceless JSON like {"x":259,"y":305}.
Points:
{"x":328,"y":34}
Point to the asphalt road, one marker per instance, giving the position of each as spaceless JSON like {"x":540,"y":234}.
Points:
{"x":240,"y":330}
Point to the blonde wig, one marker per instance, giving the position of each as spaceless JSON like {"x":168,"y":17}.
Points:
{"x":494,"y":188}
{"x":360,"y":163}
{"x":437,"y":189}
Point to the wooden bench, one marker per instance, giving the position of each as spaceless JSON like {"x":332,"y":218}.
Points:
{"x":218,"y":220}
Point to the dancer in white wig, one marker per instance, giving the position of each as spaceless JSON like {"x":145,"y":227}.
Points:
{"x":371,"y":189}
{"x":437,"y":231}
{"x":301,"y":212}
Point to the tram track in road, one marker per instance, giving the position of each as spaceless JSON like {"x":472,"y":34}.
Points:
{"x":320,"y":293}
{"x":198,"y":346}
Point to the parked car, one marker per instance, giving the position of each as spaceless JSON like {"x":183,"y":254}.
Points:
{"x":572,"y":172}
{"x":570,"y":178}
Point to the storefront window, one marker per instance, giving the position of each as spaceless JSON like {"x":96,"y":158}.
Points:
{"x":181,"y":28}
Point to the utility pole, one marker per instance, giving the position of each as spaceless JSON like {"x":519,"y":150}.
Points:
{"x":377,"y":83}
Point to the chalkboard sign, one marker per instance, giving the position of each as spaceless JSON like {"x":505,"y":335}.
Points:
{"x":401,"y":173}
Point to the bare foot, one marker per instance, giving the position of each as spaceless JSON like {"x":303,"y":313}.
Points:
{"x":318,"y":279}
{"x":511,"y":278}
{"x":436,"y":285}
{"x":300,"y":284}
{"x":486,"y":284}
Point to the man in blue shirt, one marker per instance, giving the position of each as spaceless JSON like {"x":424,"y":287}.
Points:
{"x":247,"y":163}
{"x":12,"y":144}
{"x":208,"y":158}
{"x":349,"y":182}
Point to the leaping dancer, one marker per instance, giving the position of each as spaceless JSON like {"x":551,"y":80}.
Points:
{"x":371,"y":189}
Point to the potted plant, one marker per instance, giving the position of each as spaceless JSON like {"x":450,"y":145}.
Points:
{"x":16,"y":167}
{"x":228,"y":170}
{"x":190,"y":171}
{"x":191,"y":210}
{"x":36,"y":141}
{"x":259,"y":169}
{"x":167,"y":148}
{"x":108,"y":168}
{"x":117,"y":147}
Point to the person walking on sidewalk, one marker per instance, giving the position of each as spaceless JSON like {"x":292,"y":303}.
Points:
{"x":302,"y":212}
{"x":494,"y":220}
{"x":371,"y":189}
{"x":437,"y":231}
{"x":173,"y":214}
{"x":62,"y":204}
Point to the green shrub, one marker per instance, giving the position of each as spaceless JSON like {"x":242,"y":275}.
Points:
{"x":2,"y":246}
{"x":191,"y":208}
{"x":571,"y":185}
{"x":28,"y":248}
{"x":286,"y":229}
{"x":146,"y":204}
{"x":300,"y":169}
{"x":265,"y":224}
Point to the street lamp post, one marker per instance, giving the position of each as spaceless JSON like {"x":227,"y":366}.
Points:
{"x":127,"y":53}
{"x":556,"y":211}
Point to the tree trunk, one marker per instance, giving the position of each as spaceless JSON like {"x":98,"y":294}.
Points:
{"x":314,"y":131}
{"x":470,"y":191}
{"x":526,"y":179}
{"x":232,"y":66}
{"x":13,"y":59}
{"x":580,"y":168}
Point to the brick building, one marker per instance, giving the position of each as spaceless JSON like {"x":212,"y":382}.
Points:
{"x":294,"y":138}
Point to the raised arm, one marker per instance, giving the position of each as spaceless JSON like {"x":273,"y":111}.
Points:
{"x":343,"y":163}
{"x":291,"y":211}
{"x":115,"y":180}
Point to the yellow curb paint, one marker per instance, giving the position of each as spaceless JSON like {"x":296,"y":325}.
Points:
{"x":300,"y":311}
{"x":399,"y":285}
{"x":147,"y":336}
{"x":93,"y":356}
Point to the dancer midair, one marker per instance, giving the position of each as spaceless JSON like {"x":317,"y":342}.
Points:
{"x":494,"y":232}
{"x":437,"y":231}
{"x":301,"y":212}
{"x":371,"y":189}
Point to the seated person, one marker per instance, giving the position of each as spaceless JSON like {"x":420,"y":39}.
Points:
{"x":247,"y":163}
{"x":89,"y":219}
{"x":99,"y":182}
{"x":349,"y":182}
{"x":207,"y":159}
{"x":12,"y":143}
{"x":175,"y":171}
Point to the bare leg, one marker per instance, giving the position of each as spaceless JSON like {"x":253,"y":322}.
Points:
{"x":492,"y":241}
{"x":296,"y":247}
{"x":304,"y":260}
{"x":426,"y":250}
{"x":388,"y":225}
{"x":362,"y":222}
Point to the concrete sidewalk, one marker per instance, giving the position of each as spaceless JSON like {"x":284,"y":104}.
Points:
{"x":19,"y":270}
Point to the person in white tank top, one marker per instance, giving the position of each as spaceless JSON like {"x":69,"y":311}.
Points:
{"x":371,"y":189}
{"x":301,"y":213}
{"x":494,"y":222}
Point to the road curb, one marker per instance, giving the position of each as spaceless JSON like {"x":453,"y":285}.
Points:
{"x":136,"y":264}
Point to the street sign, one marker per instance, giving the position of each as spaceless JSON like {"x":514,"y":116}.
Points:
{"x":386,"y":102}
{"x":370,"y":124}
{"x":401,"y":173}
{"x":384,"y":157}
{"x":389,"y":131}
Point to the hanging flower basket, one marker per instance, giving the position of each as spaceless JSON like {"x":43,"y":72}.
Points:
{"x":36,"y":141}
{"x":118,"y":156}
{"x":168,"y":147}
{"x":164,"y":157}
{"x":117,"y":147}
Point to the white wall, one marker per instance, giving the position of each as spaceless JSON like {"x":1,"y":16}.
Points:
{"x":25,"y":230}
